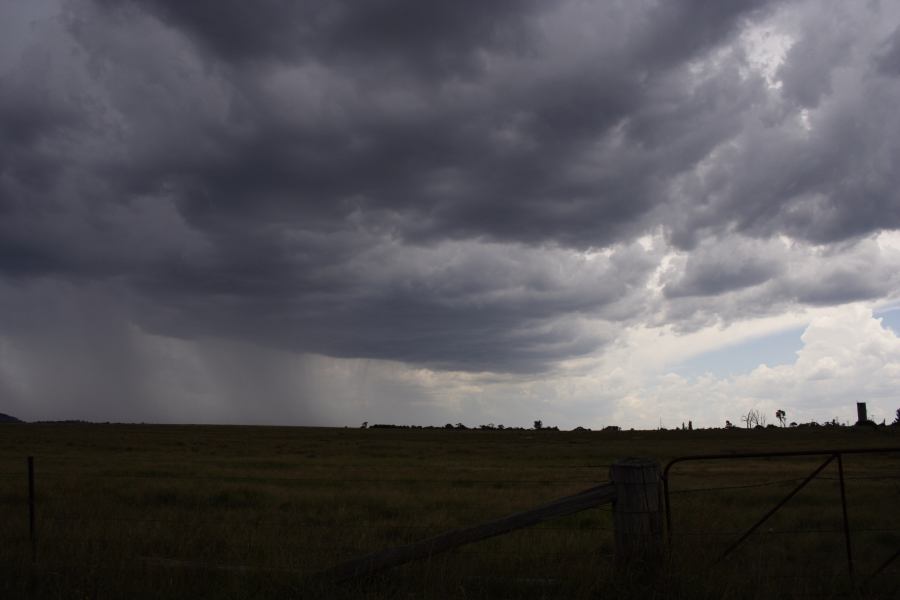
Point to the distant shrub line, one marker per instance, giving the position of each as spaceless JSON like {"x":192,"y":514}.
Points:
{"x":752,"y":420}
{"x":751,"y":424}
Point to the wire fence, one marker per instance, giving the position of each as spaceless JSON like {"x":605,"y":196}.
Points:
{"x":62,"y":513}
{"x":573,"y":537}
{"x":778,"y":482}
{"x":787,"y":531}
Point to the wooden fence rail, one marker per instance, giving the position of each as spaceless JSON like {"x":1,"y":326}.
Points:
{"x":385,"y":559}
{"x":634,"y":482}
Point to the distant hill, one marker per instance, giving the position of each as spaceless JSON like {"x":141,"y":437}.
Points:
{"x":8,"y":419}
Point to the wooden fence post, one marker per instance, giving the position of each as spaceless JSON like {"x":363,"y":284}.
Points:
{"x":637,"y":512}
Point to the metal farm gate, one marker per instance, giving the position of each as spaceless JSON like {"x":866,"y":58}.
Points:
{"x":830,"y":455}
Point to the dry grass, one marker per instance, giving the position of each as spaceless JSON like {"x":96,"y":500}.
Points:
{"x":246,"y":512}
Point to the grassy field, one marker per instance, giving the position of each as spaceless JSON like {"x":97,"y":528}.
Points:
{"x":142,"y":511}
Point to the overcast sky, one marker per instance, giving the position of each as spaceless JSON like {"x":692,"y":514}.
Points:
{"x":325,"y":212}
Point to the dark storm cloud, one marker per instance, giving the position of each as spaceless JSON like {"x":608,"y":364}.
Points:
{"x":710,"y":271}
{"x":446,"y":36}
{"x":887,"y":60}
{"x":454,"y":306}
{"x":457,"y":185}
{"x":817,"y":165}
{"x":491,"y":151}
{"x":728,"y":279}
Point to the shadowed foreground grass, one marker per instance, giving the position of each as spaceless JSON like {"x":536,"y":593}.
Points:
{"x":142,"y":511}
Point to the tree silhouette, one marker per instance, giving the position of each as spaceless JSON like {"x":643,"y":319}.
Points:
{"x":780,"y":415}
{"x":753,"y":418}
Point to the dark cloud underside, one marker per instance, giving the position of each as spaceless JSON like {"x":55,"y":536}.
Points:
{"x":459,"y":185}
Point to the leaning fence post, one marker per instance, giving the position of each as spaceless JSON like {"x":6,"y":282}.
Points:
{"x":637,"y":512}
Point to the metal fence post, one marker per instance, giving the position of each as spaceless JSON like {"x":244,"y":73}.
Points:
{"x":840,"y":463}
{"x":637,"y":512}
{"x":31,"y":529}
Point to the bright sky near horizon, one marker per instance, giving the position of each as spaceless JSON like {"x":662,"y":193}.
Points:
{"x":778,"y":348}
{"x":329,"y":212}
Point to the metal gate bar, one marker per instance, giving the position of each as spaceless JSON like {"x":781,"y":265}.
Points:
{"x":775,"y":508}
{"x":844,"y":511}
{"x":832,"y":454}
{"x":885,"y":564}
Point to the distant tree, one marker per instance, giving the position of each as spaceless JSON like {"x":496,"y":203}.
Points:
{"x":780,"y":415}
{"x":753,"y":419}
{"x":365,"y":425}
{"x":729,"y":425}
{"x":897,"y":418}
{"x":538,"y":425}
{"x":690,"y":425}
